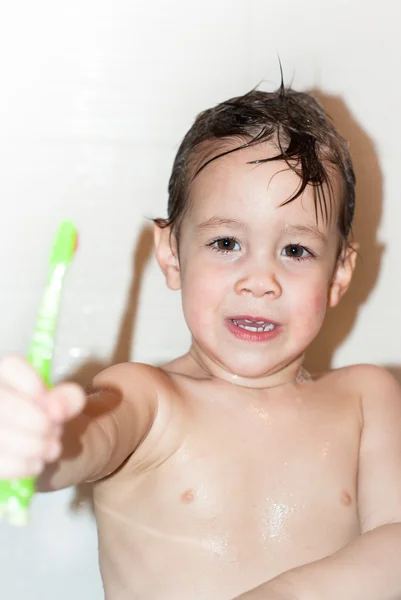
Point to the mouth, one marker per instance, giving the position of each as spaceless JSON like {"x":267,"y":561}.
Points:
{"x":253,"y":328}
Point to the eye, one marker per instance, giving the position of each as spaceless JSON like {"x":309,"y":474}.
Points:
{"x":296,"y":251}
{"x":225,"y":244}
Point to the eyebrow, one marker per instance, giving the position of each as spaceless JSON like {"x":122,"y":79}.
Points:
{"x":309,"y":230}
{"x":221,"y":222}
{"x":214,"y":222}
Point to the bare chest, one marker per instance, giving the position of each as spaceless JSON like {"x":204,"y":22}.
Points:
{"x":262,"y":489}
{"x":267,"y":473}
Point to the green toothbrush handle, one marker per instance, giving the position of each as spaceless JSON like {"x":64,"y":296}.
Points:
{"x":40,"y":353}
{"x":16,"y":494}
{"x":15,"y":497}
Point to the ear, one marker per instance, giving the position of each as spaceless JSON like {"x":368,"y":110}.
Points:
{"x":167,"y":255}
{"x":342,"y":274}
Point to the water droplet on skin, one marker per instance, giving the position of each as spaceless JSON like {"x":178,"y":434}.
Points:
{"x":276,"y":520}
{"x":218,"y":545}
{"x":325,"y":449}
{"x":262,"y":413}
{"x":303,"y":375}
{"x":279,"y":515}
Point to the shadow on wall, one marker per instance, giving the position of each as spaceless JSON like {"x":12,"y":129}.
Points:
{"x":369,"y":198}
{"x":122,"y":349}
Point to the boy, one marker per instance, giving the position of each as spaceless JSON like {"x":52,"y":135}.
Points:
{"x":230,"y":472}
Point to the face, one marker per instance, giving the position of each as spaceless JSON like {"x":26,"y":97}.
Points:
{"x":256,"y":277}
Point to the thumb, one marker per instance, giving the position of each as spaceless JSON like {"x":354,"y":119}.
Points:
{"x":64,"y":402}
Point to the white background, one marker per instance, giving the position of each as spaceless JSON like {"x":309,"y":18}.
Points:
{"x":95,"y":96}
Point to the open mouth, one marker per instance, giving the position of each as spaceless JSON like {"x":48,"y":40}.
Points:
{"x":250,"y":328}
{"x":255,"y":326}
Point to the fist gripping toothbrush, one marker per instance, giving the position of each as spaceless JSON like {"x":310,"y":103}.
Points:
{"x":15,"y":494}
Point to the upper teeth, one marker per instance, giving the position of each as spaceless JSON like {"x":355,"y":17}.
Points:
{"x":266,"y":327}
{"x":258,"y":322}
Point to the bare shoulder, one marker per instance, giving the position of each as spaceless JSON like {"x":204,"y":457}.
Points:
{"x":153,"y":407}
{"x":380,"y":394}
{"x":359,"y":378}
{"x":131,"y":377}
{"x":370,"y":389}
{"x":145,"y":387}
{"x":377,"y":390}
{"x":371,"y":379}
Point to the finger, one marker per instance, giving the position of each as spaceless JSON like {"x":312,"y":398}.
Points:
{"x":19,"y":445}
{"x":64,"y":402}
{"x":18,"y":467}
{"x":17,"y":411}
{"x":16,"y":373}
{"x":22,"y":444}
{"x":53,"y":450}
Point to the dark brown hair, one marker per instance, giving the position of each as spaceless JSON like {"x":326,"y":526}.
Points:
{"x":307,"y":141}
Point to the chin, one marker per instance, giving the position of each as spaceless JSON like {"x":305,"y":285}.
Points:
{"x":254,"y":367}
{"x":250,"y":369}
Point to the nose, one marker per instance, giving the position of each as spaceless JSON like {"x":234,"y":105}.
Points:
{"x":259,"y":283}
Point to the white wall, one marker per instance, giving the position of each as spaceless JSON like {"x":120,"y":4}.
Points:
{"x":95,"y":97}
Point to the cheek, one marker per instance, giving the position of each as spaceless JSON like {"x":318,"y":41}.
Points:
{"x":204,"y":289}
{"x":319,"y":301}
{"x":312,"y":308}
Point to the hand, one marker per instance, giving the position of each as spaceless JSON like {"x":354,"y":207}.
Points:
{"x":32,"y":418}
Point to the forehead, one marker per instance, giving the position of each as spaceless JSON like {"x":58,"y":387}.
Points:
{"x":240,"y":182}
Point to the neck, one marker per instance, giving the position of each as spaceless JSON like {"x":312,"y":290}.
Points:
{"x":280,"y":375}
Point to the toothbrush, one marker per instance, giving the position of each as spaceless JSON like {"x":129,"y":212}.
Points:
{"x":16,"y":494}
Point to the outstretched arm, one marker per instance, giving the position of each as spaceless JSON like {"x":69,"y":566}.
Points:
{"x":120,"y":411}
{"x":369,"y":568}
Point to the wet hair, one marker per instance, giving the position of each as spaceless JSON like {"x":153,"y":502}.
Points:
{"x":305,"y":138}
